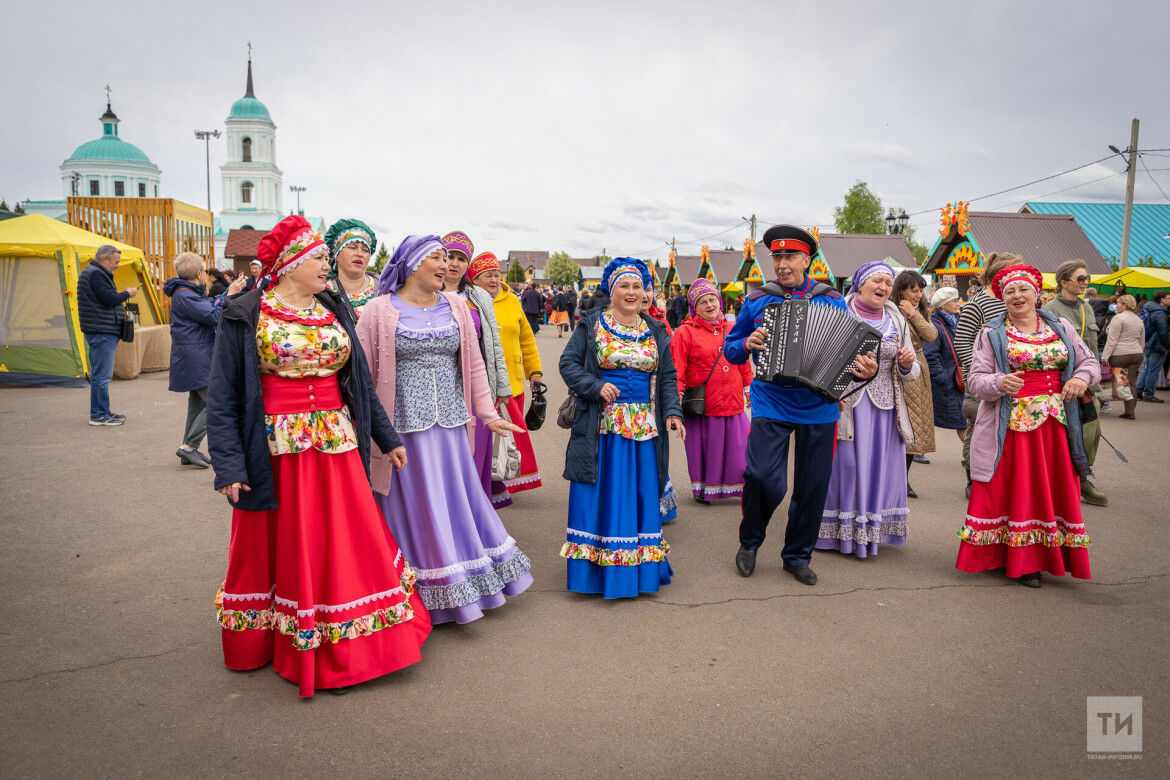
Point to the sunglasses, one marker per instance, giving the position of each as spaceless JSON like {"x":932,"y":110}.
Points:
{"x":1081,"y":278}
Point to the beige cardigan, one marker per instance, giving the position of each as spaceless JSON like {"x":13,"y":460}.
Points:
{"x":905,"y":429}
{"x":1126,"y":336}
{"x":376,"y":329}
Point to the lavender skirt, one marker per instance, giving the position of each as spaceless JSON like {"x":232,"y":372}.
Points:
{"x":866,"y":504}
{"x":497,"y":492}
{"x":717,"y":455}
{"x":451,"y":536}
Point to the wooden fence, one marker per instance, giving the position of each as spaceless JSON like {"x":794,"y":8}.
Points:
{"x":160,"y":227}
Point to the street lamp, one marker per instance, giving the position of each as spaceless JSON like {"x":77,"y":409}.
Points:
{"x":298,"y":190}
{"x":896,"y":223}
{"x":205,"y":136}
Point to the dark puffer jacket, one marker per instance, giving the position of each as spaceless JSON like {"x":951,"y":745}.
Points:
{"x":99,"y":304}
{"x":948,"y":399}
{"x":194,"y":317}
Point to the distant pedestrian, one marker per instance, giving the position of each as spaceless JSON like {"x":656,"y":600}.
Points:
{"x":255,"y":271}
{"x":1157,"y":345}
{"x":532,"y":304}
{"x":560,"y":311}
{"x":571,"y":305}
{"x":219,"y":284}
{"x":194,"y":318}
{"x":946,"y":373}
{"x":1124,"y":344}
{"x":100,"y":313}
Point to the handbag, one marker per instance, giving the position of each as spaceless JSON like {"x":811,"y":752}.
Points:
{"x":567,"y":414}
{"x":1121,"y":384}
{"x":538,"y":408}
{"x":694,"y":399}
{"x":127,"y":333}
{"x":959,"y":383}
{"x":505,"y":456}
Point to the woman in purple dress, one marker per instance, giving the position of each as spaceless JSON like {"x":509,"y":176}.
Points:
{"x":866,"y":504}
{"x":429,"y":373}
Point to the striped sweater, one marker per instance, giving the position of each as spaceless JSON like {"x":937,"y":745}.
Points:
{"x":980,"y":310}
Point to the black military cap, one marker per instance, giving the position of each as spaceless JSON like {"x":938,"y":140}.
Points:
{"x":788,"y":239}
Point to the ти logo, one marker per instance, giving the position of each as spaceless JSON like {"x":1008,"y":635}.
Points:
{"x":1114,"y":724}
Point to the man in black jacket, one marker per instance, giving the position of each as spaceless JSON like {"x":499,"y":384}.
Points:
{"x":533,"y":305}
{"x":100,"y":312}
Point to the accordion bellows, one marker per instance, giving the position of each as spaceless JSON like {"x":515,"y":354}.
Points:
{"x":813,"y":346}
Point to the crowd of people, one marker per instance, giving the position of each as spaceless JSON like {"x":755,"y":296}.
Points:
{"x":367,"y":428}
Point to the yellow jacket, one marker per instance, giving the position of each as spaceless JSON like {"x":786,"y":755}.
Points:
{"x":517,"y":339}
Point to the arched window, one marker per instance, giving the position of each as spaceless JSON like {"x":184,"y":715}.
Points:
{"x":246,"y":192}
{"x":247,"y":150}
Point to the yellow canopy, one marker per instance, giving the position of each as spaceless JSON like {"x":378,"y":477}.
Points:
{"x":1050,"y":279}
{"x":40,"y":261}
{"x":732,"y":287}
{"x":1137,"y":278}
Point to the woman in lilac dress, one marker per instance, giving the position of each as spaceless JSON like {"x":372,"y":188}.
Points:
{"x":866,"y":504}
{"x":429,"y":373}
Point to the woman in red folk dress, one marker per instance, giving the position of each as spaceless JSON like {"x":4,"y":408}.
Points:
{"x":1029,"y":371}
{"x":315,"y":581}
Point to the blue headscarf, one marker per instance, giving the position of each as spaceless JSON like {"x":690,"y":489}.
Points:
{"x":405,"y":260}
{"x":869,"y":269}
{"x":619,"y":267}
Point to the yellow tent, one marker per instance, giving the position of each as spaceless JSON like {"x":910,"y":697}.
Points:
{"x":1050,"y":279}
{"x":40,"y":260}
{"x":1136,"y":279}
{"x":732,"y":287}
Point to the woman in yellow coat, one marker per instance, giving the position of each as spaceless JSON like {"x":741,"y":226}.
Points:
{"x":520,"y":355}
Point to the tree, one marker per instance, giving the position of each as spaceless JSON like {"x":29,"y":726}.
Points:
{"x":919,"y":251}
{"x":18,"y":209}
{"x":516,"y":273}
{"x":381,"y":258}
{"x":562,"y":269}
{"x":861,"y":212}
{"x":3,"y":205}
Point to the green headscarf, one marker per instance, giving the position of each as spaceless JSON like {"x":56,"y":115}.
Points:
{"x":345,"y":231}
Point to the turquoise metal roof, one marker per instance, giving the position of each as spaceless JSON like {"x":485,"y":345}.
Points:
{"x":1149,"y":244}
{"x":110,"y":147}
{"x":249,"y":108}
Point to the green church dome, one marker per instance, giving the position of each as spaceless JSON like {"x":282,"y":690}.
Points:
{"x":110,"y":147}
{"x":249,"y":108}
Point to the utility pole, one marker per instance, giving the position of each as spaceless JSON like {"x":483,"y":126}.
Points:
{"x":673,"y":251}
{"x":753,"y":228}
{"x":1132,"y":171}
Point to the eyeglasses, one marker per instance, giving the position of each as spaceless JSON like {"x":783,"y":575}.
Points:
{"x":1081,"y":278}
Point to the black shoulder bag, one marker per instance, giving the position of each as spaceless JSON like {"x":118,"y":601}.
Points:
{"x":694,"y":399}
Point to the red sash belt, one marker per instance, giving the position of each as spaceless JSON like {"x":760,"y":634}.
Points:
{"x":1040,"y":383}
{"x":284,"y":395}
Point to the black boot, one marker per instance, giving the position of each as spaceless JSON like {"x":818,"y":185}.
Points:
{"x":745,"y":561}
{"x":803,"y":574}
{"x":1030,"y":580}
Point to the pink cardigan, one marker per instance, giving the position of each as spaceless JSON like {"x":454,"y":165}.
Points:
{"x":376,"y":329}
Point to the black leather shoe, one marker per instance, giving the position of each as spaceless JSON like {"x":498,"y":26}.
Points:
{"x":192,"y":458}
{"x":745,"y":561}
{"x":1030,"y":580}
{"x":925,"y":461}
{"x":803,"y":574}
{"x":910,"y":492}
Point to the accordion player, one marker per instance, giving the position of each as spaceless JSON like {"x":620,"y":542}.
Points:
{"x":814,"y":346}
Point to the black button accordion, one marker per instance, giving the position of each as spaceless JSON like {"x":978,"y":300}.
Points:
{"x":812,"y":345}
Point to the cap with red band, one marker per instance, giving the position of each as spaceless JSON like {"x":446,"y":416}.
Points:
{"x":782,"y":245}
{"x":789,"y":239}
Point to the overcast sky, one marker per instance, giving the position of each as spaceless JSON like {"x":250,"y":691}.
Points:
{"x":597,"y":125}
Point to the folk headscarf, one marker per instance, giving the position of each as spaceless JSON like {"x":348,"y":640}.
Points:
{"x":347,"y":231}
{"x":619,"y":267}
{"x":869,"y":269}
{"x":405,"y":260}
{"x":285,"y":246}
{"x":485,"y":262}
{"x":698,"y":289}
{"x":1020,"y":272}
{"x":457,"y":241}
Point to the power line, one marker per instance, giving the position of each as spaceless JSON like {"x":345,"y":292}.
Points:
{"x":1021,"y":186}
{"x":1065,"y":189}
{"x":740,"y":226}
{"x":1155,"y":181}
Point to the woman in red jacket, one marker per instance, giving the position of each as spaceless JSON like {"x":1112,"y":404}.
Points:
{"x":717,"y":446}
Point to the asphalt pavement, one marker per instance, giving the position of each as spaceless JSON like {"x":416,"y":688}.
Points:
{"x":894,"y":665}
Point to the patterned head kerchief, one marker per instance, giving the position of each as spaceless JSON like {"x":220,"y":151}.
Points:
{"x":698,"y":289}
{"x":1020,"y":272}
{"x":619,"y":267}
{"x":485,"y":262}
{"x":405,"y":260}
{"x":869,"y":269}
{"x":457,"y":241}
{"x":286,"y":245}
{"x":347,"y":231}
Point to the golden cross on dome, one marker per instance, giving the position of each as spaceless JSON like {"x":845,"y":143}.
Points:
{"x":249,"y":51}
{"x":107,"y":93}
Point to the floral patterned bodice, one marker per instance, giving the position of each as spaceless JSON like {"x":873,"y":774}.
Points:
{"x":297,"y":344}
{"x":633,"y":349}
{"x":364,"y":295}
{"x":1043,"y":351}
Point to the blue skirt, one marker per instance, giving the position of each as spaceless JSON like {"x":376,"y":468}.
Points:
{"x":614,"y":543}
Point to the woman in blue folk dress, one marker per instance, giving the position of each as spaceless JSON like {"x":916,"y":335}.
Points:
{"x":619,"y":366}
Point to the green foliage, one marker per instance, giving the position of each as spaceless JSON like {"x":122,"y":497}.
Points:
{"x":919,"y":251}
{"x":18,"y":209}
{"x":861,"y":212}
{"x":516,"y":273}
{"x":562,"y":269}
{"x":381,"y":258}
{"x":3,"y":205}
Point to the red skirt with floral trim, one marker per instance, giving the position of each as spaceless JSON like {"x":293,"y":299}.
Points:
{"x":318,"y":586}
{"x":1028,"y":517}
{"x":529,"y":476}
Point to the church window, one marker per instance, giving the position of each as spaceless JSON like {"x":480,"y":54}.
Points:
{"x":142,"y":189}
{"x":246,"y":192}
{"x":119,"y":189}
{"x":156,"y":190}
{"x":247,"y":150}
{"x":94,"y":187}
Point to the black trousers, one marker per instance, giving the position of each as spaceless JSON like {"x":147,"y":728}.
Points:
{"x":766,"y":482}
